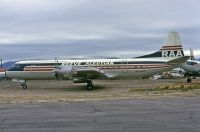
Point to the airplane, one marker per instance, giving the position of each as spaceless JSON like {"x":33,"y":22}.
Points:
{"x":170,"y":56}
{"x":191,"y":67}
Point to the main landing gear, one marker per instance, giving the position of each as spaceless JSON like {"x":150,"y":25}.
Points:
{"x":189,"y":79}
{"x":24,"y":85}
{"x":89,"y":85}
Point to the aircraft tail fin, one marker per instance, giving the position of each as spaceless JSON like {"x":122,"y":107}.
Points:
{"x":172,"y":48}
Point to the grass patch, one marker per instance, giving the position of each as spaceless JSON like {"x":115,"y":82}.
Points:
{"x":171,"y":87}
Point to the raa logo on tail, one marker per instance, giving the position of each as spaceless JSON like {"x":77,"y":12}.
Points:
{"x":171,"y":53}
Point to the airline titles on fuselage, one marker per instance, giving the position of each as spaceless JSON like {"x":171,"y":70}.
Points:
{"x":96,"y":63}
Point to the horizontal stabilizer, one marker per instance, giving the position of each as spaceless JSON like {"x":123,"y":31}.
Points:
{"x":178,"y":61}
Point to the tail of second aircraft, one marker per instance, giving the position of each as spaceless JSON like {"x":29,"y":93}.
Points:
{"x":191,"y":54}
{"x":172,"y":48}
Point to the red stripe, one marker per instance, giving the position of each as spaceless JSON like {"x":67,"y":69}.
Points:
{"x":2,"y":70}
{"x":128,"y":68}
{"x":173,"y":46}
{"x":136,"y":65}
{"x":172,"y":49}
{"x":39,"y":69}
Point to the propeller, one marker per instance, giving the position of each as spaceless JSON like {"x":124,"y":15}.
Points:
{"x":56,"y":69}
{"x":56,"y":75}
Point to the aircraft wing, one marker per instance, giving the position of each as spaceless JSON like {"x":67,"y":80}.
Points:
{"x":87,"y":72}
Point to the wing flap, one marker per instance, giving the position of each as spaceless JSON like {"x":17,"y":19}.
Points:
{"x":87,"y":72}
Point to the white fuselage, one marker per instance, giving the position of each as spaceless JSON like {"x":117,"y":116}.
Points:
{"x":114,"y":68}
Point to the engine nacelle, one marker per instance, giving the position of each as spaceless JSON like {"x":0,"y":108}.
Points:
{"x":64,"y":71}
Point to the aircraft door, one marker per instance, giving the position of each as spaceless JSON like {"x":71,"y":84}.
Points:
{"x":124,"y":66}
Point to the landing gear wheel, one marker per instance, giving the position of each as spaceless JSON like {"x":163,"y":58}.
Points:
{"x":189,"y":80}
{"x":24,"y":86}
{"x":89,"y":85}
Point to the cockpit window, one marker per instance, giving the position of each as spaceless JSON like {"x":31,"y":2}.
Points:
{"x":17,"y":66}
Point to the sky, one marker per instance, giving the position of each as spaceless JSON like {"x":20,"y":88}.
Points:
{"x":33,"y":29}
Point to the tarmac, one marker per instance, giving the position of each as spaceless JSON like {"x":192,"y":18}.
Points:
{"x":133,"y":115}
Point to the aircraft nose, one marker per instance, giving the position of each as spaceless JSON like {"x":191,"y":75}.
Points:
{"x":2,"y":75}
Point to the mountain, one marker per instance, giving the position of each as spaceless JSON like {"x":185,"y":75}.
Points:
{"x":8,"y":64}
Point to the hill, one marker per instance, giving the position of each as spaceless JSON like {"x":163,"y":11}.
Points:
{"x":8,"y":64}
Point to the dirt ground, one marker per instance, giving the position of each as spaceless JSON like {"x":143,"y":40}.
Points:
{"x":64,"y":90}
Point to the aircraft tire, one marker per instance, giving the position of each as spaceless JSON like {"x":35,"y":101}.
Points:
{"x":89,"y":85}
{"x":24,"y":86}
{"x":189,"y":80}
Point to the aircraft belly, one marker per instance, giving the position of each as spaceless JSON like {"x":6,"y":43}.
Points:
{"x":27,"y":75}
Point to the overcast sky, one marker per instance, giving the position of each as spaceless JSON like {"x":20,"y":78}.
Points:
{"x":94,"y":28}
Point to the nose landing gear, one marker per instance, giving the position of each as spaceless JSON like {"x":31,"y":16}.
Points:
{"x":24,"y":85}
{"x":89,"y":85}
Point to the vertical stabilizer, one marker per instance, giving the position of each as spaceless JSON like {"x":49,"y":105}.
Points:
{"x":173,"y":42}
{"x":172,"y":47}
{"x":173,"y":39}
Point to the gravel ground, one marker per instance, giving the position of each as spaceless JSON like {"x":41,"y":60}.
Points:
{"x":64,"y":90}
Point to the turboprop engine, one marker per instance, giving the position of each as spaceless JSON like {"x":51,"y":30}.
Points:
{"x":63,"y":71}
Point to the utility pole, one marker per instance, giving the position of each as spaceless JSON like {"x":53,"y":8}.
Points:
{"x":1,"y":63}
